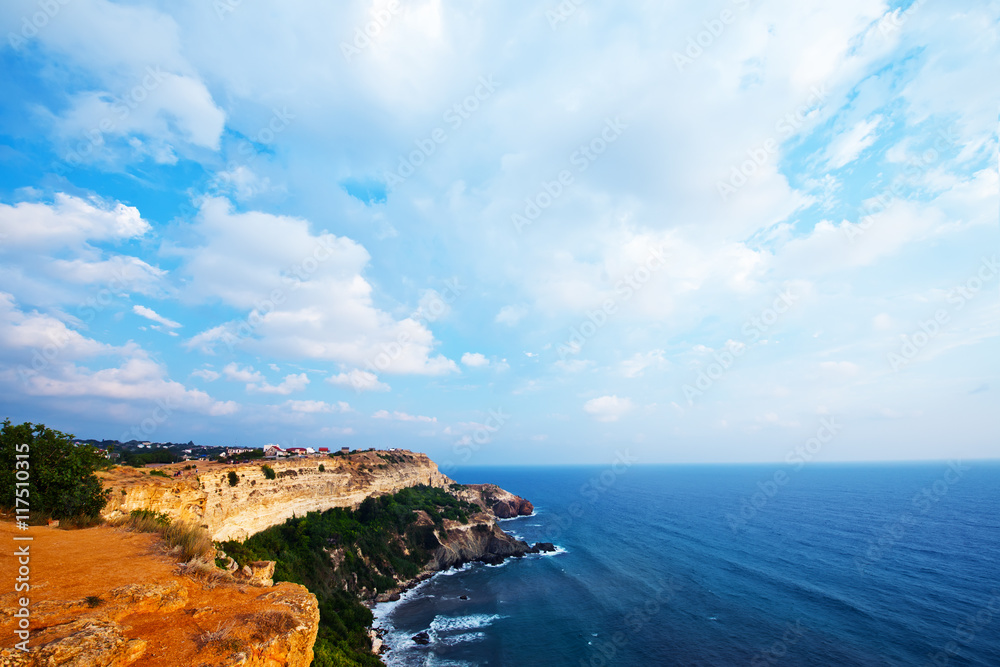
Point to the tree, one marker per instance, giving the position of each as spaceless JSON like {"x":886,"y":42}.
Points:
{"x":234,"y":479}
{"x":61,"y":478}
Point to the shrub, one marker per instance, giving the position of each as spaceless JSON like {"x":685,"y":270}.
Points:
{"x":61,"y":479}
{"x":268,"y":473}
{"x":144,"y":521}
{"x":234,"y":479}
{"x":322,"y":468}
{"x":192,"y":540}
{"x":159,"y":473}
{"x":93,"y":601}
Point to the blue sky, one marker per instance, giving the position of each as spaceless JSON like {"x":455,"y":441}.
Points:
{"x":505,"y":233}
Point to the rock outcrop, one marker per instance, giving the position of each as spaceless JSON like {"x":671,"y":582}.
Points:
{"x":234,"y":512}
{"x":501,"y":504}
{"x":103,"y":597}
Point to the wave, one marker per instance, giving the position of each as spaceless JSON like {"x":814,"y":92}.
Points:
{"x":471,"y":622}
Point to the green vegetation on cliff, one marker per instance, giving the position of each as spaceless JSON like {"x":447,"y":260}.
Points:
{"x":342,"y":554}
{"x":45,"y":471}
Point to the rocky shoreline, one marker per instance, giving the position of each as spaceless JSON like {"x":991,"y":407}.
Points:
{"x":480,"y":541}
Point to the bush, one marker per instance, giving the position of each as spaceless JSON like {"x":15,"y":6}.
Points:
{"x":60,"y":475}
{"x":192,"y":540}
{"x":159,"y":473}
{"x":267,"y":470}
{"x":322,"y":468}
{"x":234,"y":479}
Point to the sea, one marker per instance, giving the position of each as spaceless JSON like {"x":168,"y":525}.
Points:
{"x":829,"y":564}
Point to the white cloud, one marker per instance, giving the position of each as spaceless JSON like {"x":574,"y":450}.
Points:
{"x":848,"y":146}
{"x":607,"y":408}
{"x":151,"y":314}
{"x":323,"y":307}
{"x":68,"y":222}
{"x":402,"y":417}
{"x":317,"y":406}
{"x":41,"y":358}
{"x":475,"y":360}
{"x":206,"y":374}
{"x":236,"y":373}
{"x":291,"y":384}
{"x":358,"y":380}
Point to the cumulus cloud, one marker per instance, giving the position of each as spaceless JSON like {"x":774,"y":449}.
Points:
{"x":67,"y":222}
{"x":206,"y":374}
{"x":291,"y":384}
{"x":304,"y":292}
{"x":236,"y":373}
{"x":358,"y":380}
{"x":475,"y":360}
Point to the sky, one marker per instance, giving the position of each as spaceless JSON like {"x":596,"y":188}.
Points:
{"x":505,"y":233}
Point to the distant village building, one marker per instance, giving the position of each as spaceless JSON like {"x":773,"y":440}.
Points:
{"x":324,"y":450}
{"x":298,"y":451}
{"x":345,"y":450}
{"x":234,"y":451}
{"x":274,"y":450}
{"x":310,"y":450}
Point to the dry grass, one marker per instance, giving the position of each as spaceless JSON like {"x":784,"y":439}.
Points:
{"x":189,"y":540}
{"x":221,"y":639}
{"x":267,"y":624}
{"x":206,"y":572}
{"x":192,"y":540}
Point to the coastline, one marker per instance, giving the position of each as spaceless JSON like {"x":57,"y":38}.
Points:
{"x":392,"y":642}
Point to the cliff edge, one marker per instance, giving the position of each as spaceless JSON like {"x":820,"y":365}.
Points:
{"x":206,"y":497}
{"x":104,"y":597}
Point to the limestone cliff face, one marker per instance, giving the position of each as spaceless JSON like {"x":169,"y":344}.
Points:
{"x":480,"y":540}
{"x":255,"y":503}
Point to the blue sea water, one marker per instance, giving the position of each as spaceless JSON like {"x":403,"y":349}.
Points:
{"x":726,"y":565}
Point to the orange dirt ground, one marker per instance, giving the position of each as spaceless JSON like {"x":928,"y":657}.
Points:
{"x":69,"y":565}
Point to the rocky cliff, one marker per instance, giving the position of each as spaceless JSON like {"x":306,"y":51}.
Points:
{"x":234,"y":512}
